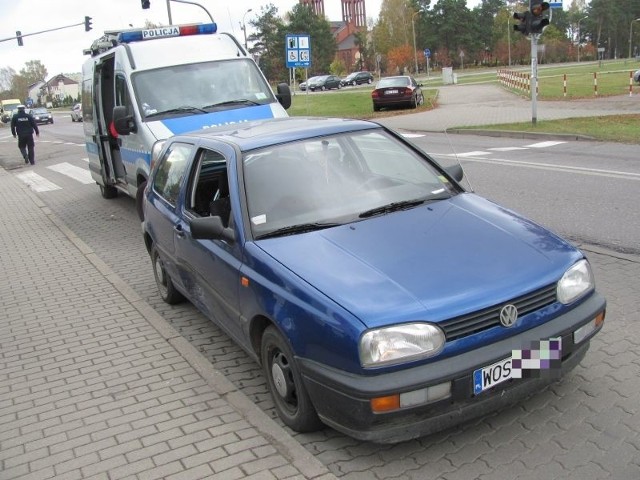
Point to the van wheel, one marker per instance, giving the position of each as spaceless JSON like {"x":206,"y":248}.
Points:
{"x":107,"y":191}
{"x":140,"y":199}
{"x":291,"y":399}
{"x":167,"y":291}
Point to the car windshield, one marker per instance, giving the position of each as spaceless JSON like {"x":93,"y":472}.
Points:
{"x":335,"y":180}
{"x":203,"y":87}
{"x":40,"y":110}
{"x":393,"y":82}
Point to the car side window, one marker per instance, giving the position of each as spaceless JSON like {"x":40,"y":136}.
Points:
{"x":208,"y":192}
{"x":171,"y":170}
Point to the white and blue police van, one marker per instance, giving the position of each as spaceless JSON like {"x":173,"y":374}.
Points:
{"x":141,"y":86}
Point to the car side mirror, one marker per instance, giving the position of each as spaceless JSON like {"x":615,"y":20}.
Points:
{"x":211,"y":228}
{"x":284,"y":95}
{"x":455,"y":171}
{"x":123,"y":122}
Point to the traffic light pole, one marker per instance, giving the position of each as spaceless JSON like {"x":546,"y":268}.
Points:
{"x":534,"y":77}
{"x":38,"y":33}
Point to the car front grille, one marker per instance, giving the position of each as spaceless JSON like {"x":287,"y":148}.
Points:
{"x":475,"y":322}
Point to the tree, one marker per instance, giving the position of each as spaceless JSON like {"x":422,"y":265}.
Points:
{"x":400,"y":58}
{"x":268,"y":45}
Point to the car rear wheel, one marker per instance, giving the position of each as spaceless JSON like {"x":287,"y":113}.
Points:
{"x":167,"y":290}
{"x":290,"y":397}
{"x":376,"y":108}
{"x":369,"y":81}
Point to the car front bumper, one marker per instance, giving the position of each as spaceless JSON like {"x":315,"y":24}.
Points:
{"x":342,"y":399}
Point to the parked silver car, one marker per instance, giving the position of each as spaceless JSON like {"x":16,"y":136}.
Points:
{"x":76,"y":113}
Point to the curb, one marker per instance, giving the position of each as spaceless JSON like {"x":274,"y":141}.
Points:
{"x":519,"y":134}
{"x":287,"y":446}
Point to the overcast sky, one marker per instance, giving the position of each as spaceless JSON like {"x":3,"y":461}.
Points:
{"x":61,"y":50}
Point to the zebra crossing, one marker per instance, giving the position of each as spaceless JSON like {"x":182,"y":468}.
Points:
{"x":39,"y":183}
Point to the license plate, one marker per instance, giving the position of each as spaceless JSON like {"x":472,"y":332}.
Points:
{"x":391,"y":92}
{"x":488,"y":377}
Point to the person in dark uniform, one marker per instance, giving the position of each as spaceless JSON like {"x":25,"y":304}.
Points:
{"x":23,"y":125}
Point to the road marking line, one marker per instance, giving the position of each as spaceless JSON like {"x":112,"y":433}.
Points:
{"x":412,"y":135}
{"x":506,"y":149}
{"x":37,"y":183}
{"x":468,"y":154}
{"x":80,"y":174}
{"x":544,"y":144}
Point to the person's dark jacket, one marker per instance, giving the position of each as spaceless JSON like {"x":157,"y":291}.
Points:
{"x":23,"y":124}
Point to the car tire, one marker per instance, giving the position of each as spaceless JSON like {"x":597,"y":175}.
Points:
{"x":140,"y":199}
{"x":290,"y":396}
{"x":421,"y":100}
{"x":51,"y":121}
{"x":354,"y":83}
{"x":323,"y":88}
{"x":339,"y":86}
{"x":72,"y":119}
{"x":167,"y":290}
{"x":376,"y":108}
{"x":108,"y":191}
{"x":369,"y":81}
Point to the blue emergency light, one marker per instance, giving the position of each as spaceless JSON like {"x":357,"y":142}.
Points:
{"x":167,"y":32}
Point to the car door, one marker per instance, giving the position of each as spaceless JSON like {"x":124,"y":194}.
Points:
{"x":162,"y":217}
{"x":212,"y":267}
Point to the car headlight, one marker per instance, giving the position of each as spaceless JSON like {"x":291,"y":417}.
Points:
{"x":400,"y":343}
{"x":575,"y":282}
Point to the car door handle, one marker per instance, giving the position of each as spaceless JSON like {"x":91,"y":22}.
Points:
{"x":179,"y":231}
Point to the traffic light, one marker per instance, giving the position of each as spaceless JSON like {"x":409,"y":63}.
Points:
{"x":525,"y":22}
{"x":19,"y":38}
{"x":539,"y":15}
{"x":145,"y":3}
{"x":87,"y":24}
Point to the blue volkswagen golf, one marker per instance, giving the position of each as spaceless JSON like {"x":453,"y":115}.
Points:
{"x":380,"y":297}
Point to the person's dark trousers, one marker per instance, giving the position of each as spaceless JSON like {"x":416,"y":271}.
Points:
{"x":27,"y":148}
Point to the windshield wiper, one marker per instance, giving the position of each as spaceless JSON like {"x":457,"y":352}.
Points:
{"x":300,"y":228}
{"x":184,"y":109}
{"x":404,"y":205}
{"x":239,"y":101}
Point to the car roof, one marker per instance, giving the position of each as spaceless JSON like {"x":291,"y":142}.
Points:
{"x":264,"y":133}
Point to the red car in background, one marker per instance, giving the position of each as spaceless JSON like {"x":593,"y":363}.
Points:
{"x":400,"y":91}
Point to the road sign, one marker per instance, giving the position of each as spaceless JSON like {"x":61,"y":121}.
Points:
{"x":555,"y":4}
{"x":427,"y":53}
{"x":298,"y":51}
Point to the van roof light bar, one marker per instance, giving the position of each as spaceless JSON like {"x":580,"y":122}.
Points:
{"x":166,"y":32}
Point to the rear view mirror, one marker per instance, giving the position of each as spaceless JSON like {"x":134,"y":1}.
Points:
{"x":284,"y":95}
{"x":123,"y":123}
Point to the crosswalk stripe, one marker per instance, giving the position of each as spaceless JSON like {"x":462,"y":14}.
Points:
{"x":544,"y":144}
{"x":80,"y":174}
{"x":37,"y":183}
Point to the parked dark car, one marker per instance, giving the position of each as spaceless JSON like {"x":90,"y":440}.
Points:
{"x":380,"y":297}
{"x":41,"y":115}
{"x":357,"y":78}
{"x":303,"y":85}
{"x":324,"y":82}
{"x":76,"y":113}
{"x":400,"y":91}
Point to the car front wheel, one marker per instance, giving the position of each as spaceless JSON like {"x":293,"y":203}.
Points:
{"x":167,"y":290}
{"x":291,"y":399}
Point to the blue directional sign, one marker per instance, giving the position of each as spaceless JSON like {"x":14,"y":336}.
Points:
{"x":555,"y":4}
{"x":298,"y":50}
{"x":427,"y":53}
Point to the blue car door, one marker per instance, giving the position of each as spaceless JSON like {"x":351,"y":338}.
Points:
{"x":161,"y":211}
{"x":212,"y":266}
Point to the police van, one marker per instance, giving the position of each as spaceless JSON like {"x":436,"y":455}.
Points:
{"x":144,"y":85}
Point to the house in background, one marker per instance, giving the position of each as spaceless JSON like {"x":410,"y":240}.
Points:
{"x":354,"y":19}
{"x":33,"y":93}
{"x":58,"y":89}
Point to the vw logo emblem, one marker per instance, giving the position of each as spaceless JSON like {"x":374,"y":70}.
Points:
{"x":508,"y":315}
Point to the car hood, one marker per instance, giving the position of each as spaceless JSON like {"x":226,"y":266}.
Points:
{"x":433,"y":262}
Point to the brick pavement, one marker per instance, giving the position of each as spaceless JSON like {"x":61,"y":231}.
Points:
{"x":94,"y":384}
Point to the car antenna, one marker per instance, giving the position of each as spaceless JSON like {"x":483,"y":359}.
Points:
{"x":466,"y":177}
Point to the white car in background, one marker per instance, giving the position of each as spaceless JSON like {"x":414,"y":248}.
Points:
{"x":76,"y":113}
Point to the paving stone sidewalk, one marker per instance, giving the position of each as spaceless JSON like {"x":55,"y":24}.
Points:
{"x":95,"y":385}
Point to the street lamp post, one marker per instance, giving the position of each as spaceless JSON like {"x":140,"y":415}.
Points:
{"x":244,"y":27}
{"x":631,"y":34}
{"x":579,"y":37}
{"x":413,"y":28}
